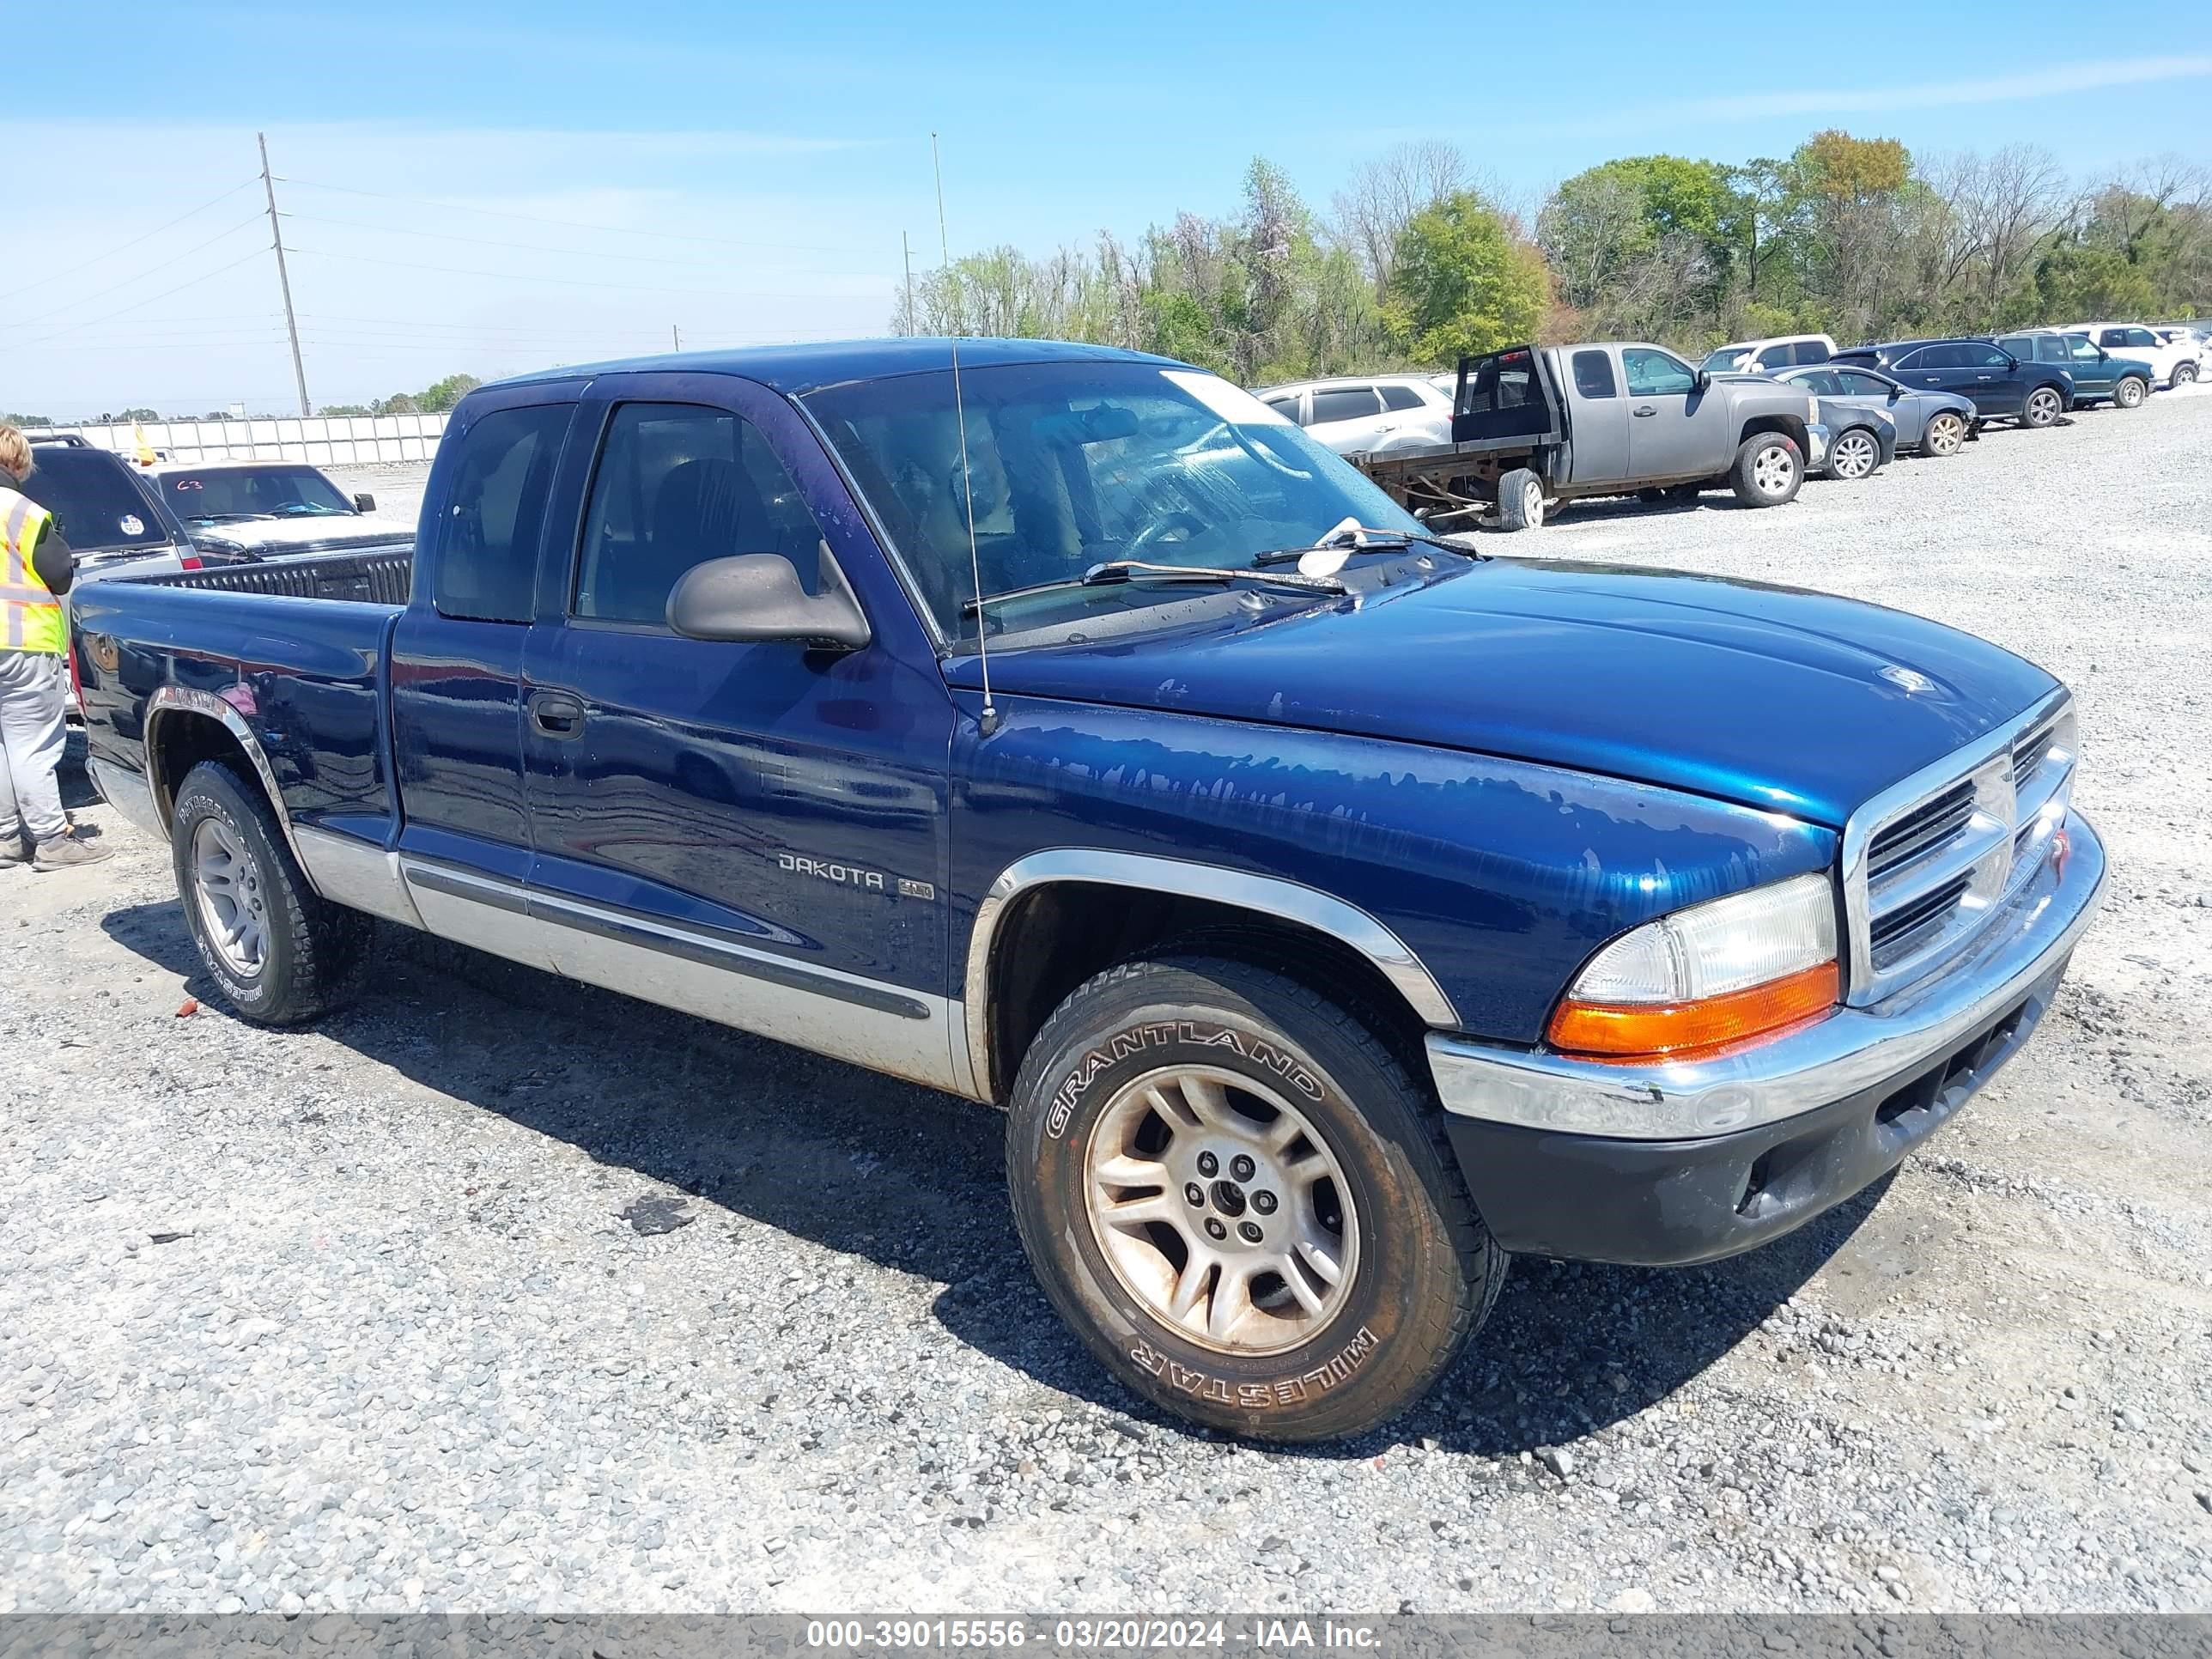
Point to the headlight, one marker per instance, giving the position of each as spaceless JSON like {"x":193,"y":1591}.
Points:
{"x":1708,"y":976}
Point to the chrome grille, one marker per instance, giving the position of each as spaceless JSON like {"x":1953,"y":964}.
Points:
{"x":1927,"y":863}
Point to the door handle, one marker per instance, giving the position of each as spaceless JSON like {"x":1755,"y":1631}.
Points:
{"x":1646,"y":410}
{"x":557,"y":715}
{"x":1986,"y":377}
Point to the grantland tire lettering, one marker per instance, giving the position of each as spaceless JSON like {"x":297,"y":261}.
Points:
{"x":1257,"y":1396}
{"x":1158,"y":1034}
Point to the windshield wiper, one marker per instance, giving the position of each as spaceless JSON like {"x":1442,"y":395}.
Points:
{"x":1118,"y":571}
{"x":1369,"y":541}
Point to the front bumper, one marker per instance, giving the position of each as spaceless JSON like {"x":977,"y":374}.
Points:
{"x":1665,"y":1164}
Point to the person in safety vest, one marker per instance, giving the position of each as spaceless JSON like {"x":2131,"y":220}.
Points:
{"x":36,"y":568}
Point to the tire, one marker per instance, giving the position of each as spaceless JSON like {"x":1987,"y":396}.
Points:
{"x":1684,"y":492}
{"x":2184,"y":374}
{"x":1651,"y":495}
{"x":1855,"y":454}
{"x":2044,"y":407}
{"x":1520,"y":501}
{"x":1946,"y":434}
{"x":297,"y":956}
{"x":1769,"y":469}
{"x":2130,"y":392}
{"x":1159,"y":1067}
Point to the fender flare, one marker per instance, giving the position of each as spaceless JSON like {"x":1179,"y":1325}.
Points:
{"x":182,"y":700}
{"x":1269,"y":895}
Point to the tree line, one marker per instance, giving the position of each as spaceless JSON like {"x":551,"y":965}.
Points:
{"x":436,"y":399}
{"x":1420,"y":259}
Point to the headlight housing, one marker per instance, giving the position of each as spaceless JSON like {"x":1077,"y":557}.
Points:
{"x":1707,"y":977}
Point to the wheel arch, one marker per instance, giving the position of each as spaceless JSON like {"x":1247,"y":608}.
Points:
{"x":1791,"y":427}
{"x":1052,"y":919}
{"x":185,"y":727}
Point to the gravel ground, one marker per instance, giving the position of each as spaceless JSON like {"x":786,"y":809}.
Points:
{"x":495,"y":1294}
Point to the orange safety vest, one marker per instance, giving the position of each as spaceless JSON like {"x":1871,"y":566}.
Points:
{"x":30,"y":617}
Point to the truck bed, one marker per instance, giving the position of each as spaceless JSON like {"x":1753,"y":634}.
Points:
{"x":382,"y":577}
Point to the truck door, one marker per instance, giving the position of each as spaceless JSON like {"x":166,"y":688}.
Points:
{"x":457,"y":666}
{"x":1675,"y":431}
{"x":751,"y":831}
{"x":1599,"y":425}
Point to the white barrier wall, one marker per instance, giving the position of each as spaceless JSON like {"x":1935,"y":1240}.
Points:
{"x":337,"y":441}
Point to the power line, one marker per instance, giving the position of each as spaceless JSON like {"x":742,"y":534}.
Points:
{"x":125,"y":247}
{"x":575,"y":224}
{"x":150,"y":299}
{"x":564,"y":282}
{"x":537,"y":248}
{"x":129,"y":282}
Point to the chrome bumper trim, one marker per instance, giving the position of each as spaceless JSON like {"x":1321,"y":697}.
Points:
{"x":1816,"y":441}
{"x":1853,"y":1048}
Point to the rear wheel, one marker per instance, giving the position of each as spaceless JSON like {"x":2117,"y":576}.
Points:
{"x":279,"y":952}
{"x":2183,"y":373}
{"x":2044,"y":406}
{"x":1235,"y":1193}
{"x":1855,"y":454}
{"x":2130,"y":392}
{"x":1946,"y":434}
{"x":1520,"y":501}
{"x":1768,"y":471}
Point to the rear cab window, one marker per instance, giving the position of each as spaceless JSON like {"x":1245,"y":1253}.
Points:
{"x":1500,"y":397}
{"x":97,"y":501}
{"x":495,"y":513}
{"x":1593,"y":374}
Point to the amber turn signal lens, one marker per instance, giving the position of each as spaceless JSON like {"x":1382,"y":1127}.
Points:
{"x":1618,"y":1030}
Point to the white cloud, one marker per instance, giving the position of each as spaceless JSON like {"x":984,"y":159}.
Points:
{"x":1926,"y":95}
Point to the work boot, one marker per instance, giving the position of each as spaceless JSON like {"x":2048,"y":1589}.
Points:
{"x":11,"y":851}
{"x":61,"y":851}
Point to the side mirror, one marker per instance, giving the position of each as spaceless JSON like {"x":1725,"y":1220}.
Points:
{"x":1705,"y":379}
{"x":1895,"y":393}
{"x":755,"y":596}
{"x":364,"y":503}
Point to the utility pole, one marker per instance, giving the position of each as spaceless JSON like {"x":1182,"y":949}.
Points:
{"x":906,"y":256}
{"x":675,"y":339}
{"x":284,"y":279}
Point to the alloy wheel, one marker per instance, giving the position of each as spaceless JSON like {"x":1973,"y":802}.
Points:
{"x":1773,"y":470}
{"x":2042,"y":407}
{"x":1946,"y":434}
{"x":1854,"y":456}
{"x":228,"y":890}
{"x":1221,"y":1209}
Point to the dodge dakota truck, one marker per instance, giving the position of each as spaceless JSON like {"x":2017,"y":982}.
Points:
{"x":1333,"y":911}
{"x":1534,"y":426}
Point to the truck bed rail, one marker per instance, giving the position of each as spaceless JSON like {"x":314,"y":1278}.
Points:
{"x":378,"y":578}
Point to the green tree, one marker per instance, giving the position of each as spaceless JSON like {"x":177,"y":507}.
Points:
{"x":400,"y":402}
{"x":1462,"y":283}
{"x":442,"y":395}
{"x":331,"y":409}
{"x":2075,"y":280}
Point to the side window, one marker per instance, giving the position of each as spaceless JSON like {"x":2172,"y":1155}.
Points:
{"x":1820,"y":381}
{"x":1861,"y":385}
{"x":1979,"y":357}
{"x":2113,"y":337}
{"x":1775,"y":356}
{"x":488,"y":542}
{"x":1655,"y":373}
{"x":679,"y":484}
{"x":2141,"y":336}
{"x":1345,"y":403}
{"x":2021,"y":346}
{"x":1399,"y":397}
{"x":1286,"y":407}
{"x":2082,"y":348}
{"x":1593,"y":374}
{"x":2048,"y":349}
{"x":1808,"y":351}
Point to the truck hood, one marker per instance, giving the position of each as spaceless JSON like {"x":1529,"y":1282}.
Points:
{"x":280,"y":538}
{"x":1772,"y":697}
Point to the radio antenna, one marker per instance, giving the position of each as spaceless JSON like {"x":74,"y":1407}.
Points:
{"x":989,"y":722}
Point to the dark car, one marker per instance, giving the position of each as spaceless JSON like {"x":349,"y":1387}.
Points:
{"x":104,"y":509}
{"x":1933,"y":422}
{"x":2099,"y":376}
{"x":2001,"y":385}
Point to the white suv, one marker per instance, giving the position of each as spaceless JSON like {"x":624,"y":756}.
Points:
{"x":1372,"y":412}
{"x":2173,"y":363}
{"x":1763,"y":356}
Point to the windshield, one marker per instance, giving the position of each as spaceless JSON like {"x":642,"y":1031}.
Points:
{"x":1074,"y":465}
{"x":1726,"y":358}
{"x":94,"y":498}
{"x":254,"y":492}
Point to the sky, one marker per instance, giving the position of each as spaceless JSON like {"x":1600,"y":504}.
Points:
{"x":496,"y":187}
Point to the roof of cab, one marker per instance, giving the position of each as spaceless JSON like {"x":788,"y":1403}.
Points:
{"x":795,"y":369}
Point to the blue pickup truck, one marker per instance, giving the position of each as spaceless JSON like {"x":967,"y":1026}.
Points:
{"x":1334,"y":910}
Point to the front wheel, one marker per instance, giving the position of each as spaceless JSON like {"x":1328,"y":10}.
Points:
{"x":2184,"y":374}
{"x":1520,"y":501}
{"x":1769,"y":469}
{"x":1946,"y":434}
{"x":2130,"y":392}
{"x":1856,"y":455}
{"x":1240,"y":1199}
{"x":2044,"y":407}
{"x":281,"y":953}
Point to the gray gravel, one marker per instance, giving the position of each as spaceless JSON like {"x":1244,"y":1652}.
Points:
{"x":493,"y":1293}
